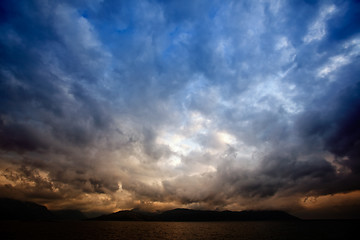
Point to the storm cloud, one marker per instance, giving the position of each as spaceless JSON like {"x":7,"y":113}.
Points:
{"x":108,"y":105}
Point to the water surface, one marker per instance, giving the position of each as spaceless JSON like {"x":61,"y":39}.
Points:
{"x":178,"y":230}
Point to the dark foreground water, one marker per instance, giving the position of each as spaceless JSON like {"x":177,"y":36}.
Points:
{"x":179,"y":230}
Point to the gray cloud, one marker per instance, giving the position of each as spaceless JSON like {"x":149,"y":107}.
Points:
{"x":217,"y":105}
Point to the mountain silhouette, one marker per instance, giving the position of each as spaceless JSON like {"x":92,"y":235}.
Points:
{"x":186,"y":215}
{"x":128,"y":215}
{"x":68,"y":214}
{"x":11,"y":209}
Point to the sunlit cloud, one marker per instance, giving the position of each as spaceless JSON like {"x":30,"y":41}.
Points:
{"x":161,"y":104}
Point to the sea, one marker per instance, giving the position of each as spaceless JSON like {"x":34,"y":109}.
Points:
{"x":91,"y":230}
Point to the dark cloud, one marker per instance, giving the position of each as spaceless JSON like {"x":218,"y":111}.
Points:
{"x":160,"y":103}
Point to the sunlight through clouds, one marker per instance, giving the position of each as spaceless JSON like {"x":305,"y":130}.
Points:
{"x":109,"y":105}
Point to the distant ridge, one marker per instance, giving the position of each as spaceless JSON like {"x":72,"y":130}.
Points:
{"x":188,"y":215}
{"x":11,"y":209}
{"x":127,"y":215}
{"x":68,"y":215}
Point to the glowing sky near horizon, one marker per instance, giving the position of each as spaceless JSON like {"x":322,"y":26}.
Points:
{"x":108,"y":105}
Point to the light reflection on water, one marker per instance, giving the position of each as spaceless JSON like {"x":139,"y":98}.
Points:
{"x":178,"y":230}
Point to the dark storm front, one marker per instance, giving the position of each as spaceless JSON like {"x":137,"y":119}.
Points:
{"x":177,"y":230}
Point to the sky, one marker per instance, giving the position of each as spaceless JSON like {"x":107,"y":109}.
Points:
{"x":224,"y":105}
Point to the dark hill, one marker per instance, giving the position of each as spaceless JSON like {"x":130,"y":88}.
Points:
{"x":127,"y":215}
{"x":68,"y":215}
{"x":185,"y":215}
{"x":11,"y":209}
{"x":198,"y":215}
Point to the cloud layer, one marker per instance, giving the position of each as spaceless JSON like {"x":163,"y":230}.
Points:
{"x":110,"y":105}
